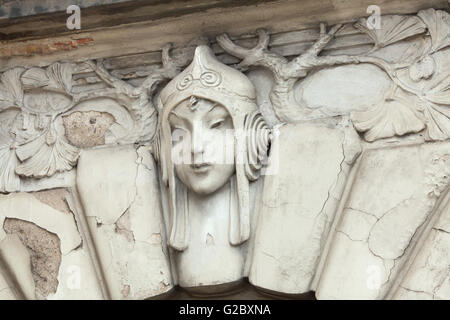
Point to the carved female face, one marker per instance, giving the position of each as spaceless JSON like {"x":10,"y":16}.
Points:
{"x":202,"y":144}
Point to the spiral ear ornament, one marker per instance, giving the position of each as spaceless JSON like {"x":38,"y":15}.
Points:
{"x":258,"y":144}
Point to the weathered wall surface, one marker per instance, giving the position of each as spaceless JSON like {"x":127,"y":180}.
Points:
{"x":353,"y":204}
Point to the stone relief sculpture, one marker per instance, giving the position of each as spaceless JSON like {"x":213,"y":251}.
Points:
{"x":211,"y":109}
{"x":409,"y":77}
{"x":164,"y":181}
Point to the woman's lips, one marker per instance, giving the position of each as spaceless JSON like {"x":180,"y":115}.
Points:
{"x":201,"y":167}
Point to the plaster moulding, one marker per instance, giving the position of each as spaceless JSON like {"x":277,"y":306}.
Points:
{"x":363,"y":170}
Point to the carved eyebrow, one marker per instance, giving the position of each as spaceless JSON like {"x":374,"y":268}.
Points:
{"x":213,"y":106}
{"x":183,"y":118}
{"x":175,"y":114}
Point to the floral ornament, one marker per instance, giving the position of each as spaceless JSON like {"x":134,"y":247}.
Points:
{"x":34,"y":101}
{"x":421,"y":101}
{"x":422,"y":69}
{"x":57,"y":77}
{"x":31,"y":103}
{"x":426,"y":81}
{"x":420,"y":97}
{"x":438,"y":25}
{"x":41,"y":148}
{"x":393,"y":116}
{"x":393,"y":29}
{"x":45,"y":153}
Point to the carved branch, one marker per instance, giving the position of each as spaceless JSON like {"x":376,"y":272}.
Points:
{"x":286,"y":72}
{"x":256,"y":56}
{"x":81,"y":96}
{"x":169,"y":70}
{"x":324,"y":39}
{"x":170,"y":66}
{"x":116,"y":83}
{"x":141,"y":104}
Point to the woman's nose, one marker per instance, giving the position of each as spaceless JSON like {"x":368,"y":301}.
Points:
{"x":197,"y":139}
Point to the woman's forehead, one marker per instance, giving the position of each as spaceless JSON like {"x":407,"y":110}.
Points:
{"x":198,"y":107}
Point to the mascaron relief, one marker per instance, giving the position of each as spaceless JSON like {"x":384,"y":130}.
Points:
{"x":34,"y":101}
{"x":186,"y":126}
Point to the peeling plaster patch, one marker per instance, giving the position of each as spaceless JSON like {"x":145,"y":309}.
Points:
{"x":87,"y":129}
{"x":156,"y":238}
{"x":16,"y":264}
{"x":120,"y":192}
{"x":54,"y":198}
{"x":44,"y":47}
{"x":163,"y":285}
{"x":26,"y":8}
{"x":27,"y":247}
{"x":209,"y":239}
{"x":99,"y":173}
{"x":123,"y":226}
{"x":45,"y":253}
{"x":25,"y":206}
{"x":126,"y":290}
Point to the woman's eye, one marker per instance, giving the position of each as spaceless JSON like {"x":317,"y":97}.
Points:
{"x":178,"y":129}
{"x":178,"y":134}
{"x":217,"y":124}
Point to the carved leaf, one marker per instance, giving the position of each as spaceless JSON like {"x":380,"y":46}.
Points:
{"x":431,"y":82}
{"x":437,"y":109}
{"x":438,"y":24}
{"x":46,"y":154}
{"x":11,"y":93}
{"x":48,"y":91}
{"x":46,"y":102}
{"x":34,"y":78}
{"x":56,"y":76}
{"x":60,"y":76}
{"x":438,"y":122}
{"x":9,"y":181}
{"x":393,"y":28}
{"x":438,"y":88}
{"x":392,"y":117}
